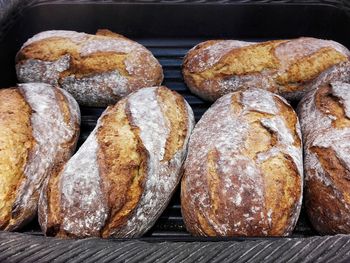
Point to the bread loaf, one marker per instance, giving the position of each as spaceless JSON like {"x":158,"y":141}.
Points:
{"x":97,"y":70}
{"x":286,"y":67}
{"x":325,"y":122}
{"x":123,"y":176}
{"x":39,"y":128}
{"x":243,"y":172}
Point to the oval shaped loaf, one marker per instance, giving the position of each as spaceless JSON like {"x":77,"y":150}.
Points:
{"x":97,"y":70}
{"x":123,"y":176}
{"x":286,"y":67}
{"x":325,"y":121}
{"x":39,"y":128}
{"x":243,"y":172}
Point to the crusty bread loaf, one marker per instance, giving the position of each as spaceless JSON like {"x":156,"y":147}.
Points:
{"x":97,"y":70}
{"x":243,"y":172}
{"x":325,"y":122}
{"x":123,"y":176}
{"x":286,"y":67}
{"x":39,"y":128}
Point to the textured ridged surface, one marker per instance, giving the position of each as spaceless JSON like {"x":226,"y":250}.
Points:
{"x":15,"y":247}
{"x":159,"y":244}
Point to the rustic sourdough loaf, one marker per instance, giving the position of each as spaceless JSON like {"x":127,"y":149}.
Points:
{"x":325,"y":122}
{"x":97,"y":70}
{"x":243,"y":173}
{"x":39,"y":128}
{"x":287,"y":67}
{"x":123,"y":176}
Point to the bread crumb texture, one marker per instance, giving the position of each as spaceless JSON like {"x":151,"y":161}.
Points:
{"x":243,"y":174}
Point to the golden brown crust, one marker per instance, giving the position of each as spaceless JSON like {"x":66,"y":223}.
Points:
{"x":16,"y":142}
{"x":64,"y":107}
{"x":259,"y":139}
{"x":282,"y":191}
{"x":74,"y":60}
{"x":49,"y":49}
{"x":121,"y":151}
{"x":324,"y":115}
{"x":309,"y":67}
{"x":246,"y":60}
{"x":36,"y":118}
{"x":328,"y":218}
{"x":174,"y":109}
{"x":282,"y":184}
{"x":54,"y":201}
{"x":335,"y":170}
{"x":323,"y":219}
{"x":243,"y":173}
{"x":327,"y":103}
{"x":132,"y":164}
{"x":215,"y":68}
{"x":95,"y":63}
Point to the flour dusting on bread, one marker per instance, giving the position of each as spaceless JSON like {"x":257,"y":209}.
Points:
{"x":85,"y":198}
{"x":81,"y":184}
{"x":97,"y":69}
{"x":226,"y":184}
{"x":324,"y":116}
{"x":52,"y":136}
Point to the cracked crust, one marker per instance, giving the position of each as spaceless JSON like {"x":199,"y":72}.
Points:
{"x":325,"y":122}
{"x":97,"y":70}
{"x":39,"y":131}
{"x":286,"y":67}
{"x":243,"y":174}
{"x":123,"y":176}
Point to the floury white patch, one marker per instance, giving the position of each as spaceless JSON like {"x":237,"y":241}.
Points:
{"x":104,"y":87}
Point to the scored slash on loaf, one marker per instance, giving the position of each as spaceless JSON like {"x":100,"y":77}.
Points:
{"x":39,"y":128}
{"x":243,"y":175}
{"x":325,"y":122}
{"x":123,"y":176}
{"x":97,"y":70}
{"x":286,"y":67}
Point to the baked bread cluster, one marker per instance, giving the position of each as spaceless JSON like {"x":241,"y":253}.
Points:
{"x":241,"y":166}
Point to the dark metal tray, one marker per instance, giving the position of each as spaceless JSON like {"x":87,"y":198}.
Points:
{"x":169,"y":29}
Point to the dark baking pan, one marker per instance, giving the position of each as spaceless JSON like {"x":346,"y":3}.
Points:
{"x":169,"y":29}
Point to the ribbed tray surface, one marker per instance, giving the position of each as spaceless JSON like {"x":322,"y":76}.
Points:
{"x":17,"y":247}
